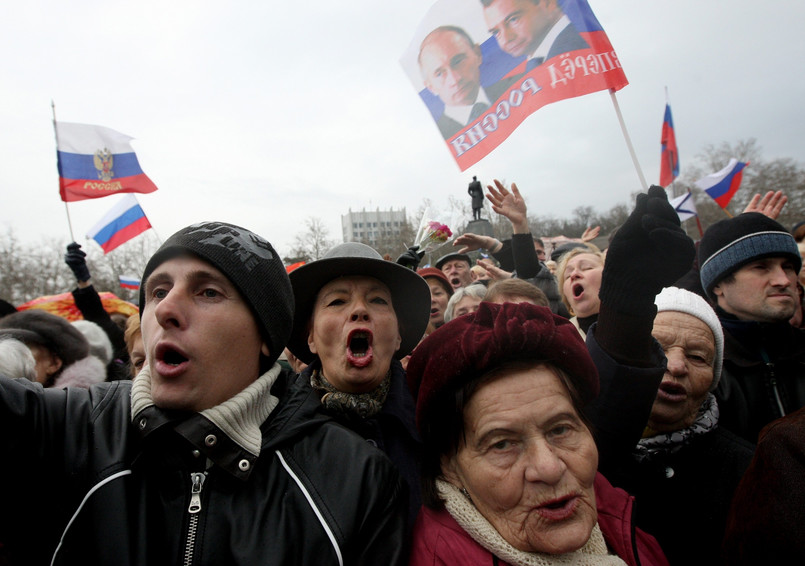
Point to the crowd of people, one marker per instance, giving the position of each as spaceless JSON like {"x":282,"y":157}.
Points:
{"x":640,"y":404}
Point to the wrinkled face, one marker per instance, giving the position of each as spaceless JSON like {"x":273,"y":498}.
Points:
{"x":438,"y":301}
{"x":764,"y":291}
{"x":521,"y":25}
{"x":466,"y":305}
{"x":690,"y":348}
{"x":354,"y":332}
{"x":581,"y":283}
{"x":202,"y":342}
{"x":458,"y":273}
{"x":451,"y":68}
{"x":528,"y":462}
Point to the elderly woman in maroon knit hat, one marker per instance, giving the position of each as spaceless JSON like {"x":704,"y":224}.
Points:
{"x":510,"y":465}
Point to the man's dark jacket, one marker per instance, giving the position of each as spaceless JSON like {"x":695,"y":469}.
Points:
{"x":79,"y":474}
{"x":764,"y":374}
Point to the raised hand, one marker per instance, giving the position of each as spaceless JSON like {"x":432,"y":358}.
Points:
{"x":590,"y":234}
{"x":495,"y":273}
{"x":75,"y":258}
{"x":472,"y":242}
{"x":771,"y":204}
{"x":509,"y":204}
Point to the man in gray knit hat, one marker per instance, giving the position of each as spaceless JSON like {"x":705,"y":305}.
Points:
{"x":749,"y":267}
{"x":214,"y":454}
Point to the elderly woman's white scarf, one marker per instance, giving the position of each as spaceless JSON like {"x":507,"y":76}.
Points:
{"x":593,"y":553}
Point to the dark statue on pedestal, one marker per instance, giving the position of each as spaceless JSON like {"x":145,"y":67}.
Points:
{"x":477,"y":194}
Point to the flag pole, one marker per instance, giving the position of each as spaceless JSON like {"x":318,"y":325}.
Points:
{"x":56,"y":134}
{"x":698,"y":222}
{"x":628,"y":139}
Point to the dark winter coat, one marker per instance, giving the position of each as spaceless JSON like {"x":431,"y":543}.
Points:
{"x":681,"y":498}
{"x":393,"y":430}
{"x":519,"y":256}
{"x":78,"y":473}
{"x":764,"y":374}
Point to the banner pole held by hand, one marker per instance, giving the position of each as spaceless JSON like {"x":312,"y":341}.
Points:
{"x":628,"y":139}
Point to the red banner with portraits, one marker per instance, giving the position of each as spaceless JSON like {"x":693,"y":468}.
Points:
{"x":482,"y":67}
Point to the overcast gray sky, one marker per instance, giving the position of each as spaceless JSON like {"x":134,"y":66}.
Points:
{"x":264,"y":114}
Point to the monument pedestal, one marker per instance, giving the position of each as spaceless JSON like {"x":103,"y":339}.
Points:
{"x":481,"y":227}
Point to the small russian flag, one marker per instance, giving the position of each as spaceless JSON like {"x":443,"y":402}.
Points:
{"x":669,"y":154}
{"x":125,"y":221}
{"x":722,"y":185}
{"x":129,"y":282}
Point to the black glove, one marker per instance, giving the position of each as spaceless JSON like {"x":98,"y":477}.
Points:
{"x":650,"y":251}
{"x":74,"y":258}
{"x":411,"y":258}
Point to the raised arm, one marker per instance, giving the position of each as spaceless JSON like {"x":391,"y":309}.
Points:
{"x":650,"y":251}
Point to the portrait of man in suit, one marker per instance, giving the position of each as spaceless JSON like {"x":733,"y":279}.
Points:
{"x":535,"y":29}
{"x":450,"y":65}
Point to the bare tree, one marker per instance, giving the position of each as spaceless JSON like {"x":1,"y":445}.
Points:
{"x":31,"y":270}
{"x":311,"y":244}
{"x":128,"y":259}
{"x":760,"y":176}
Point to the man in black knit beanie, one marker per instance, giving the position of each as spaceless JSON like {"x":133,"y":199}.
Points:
{"x":749,"y":267}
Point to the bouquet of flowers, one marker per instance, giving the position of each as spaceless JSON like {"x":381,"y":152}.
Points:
{"x":431,"y":235}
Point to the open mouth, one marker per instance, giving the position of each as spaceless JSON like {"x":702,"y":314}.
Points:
{"x":359,"y":347}
{"x":173,"y":358}
{"x":556,"y":504}
{"x":359,"y":343}
{"x":170,"y":359}
{"x":559,"y":509}
{"x":577,"y":290}
{"x":671,"y":391}
{"x":455,"y":281}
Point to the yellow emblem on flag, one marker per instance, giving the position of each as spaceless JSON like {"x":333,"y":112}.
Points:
{"x":103,"y":163}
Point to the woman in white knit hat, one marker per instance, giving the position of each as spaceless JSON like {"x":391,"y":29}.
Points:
{"x":685,"y":469}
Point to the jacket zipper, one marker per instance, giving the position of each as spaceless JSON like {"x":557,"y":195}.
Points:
{"x":196,"y":485}
{"x":773,"y":383}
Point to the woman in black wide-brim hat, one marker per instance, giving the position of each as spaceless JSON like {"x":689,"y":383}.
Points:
{"x":356,"y":316}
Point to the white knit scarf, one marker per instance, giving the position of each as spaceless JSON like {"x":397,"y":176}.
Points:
{"x":239,"y":417}
{"x":593,"y":553}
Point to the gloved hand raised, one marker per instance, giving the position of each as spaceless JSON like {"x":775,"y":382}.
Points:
{"x":75,"y":259}
{"x":411,"y":257}
{"x":650,"y":251}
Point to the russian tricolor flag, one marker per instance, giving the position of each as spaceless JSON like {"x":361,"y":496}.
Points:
{"x":129,"y":282}
{"x":669,"y":155}
{"x":125,"y":221}
{"x":95,"y":162}
{"x":723,"y":185}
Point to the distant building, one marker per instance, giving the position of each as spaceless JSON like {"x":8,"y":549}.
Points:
{"x":373,"y":227}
